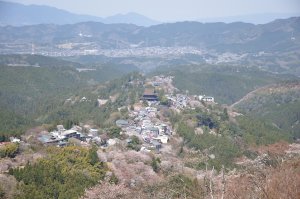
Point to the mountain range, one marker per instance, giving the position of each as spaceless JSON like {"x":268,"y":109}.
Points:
{"x":259,"y":18}
{"x":17,"y":14}
{"x":280,"y":35}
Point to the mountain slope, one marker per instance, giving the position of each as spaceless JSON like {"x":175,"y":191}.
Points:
{"x":23,"y":84}
{"x":226,"y":83}
{"x":32,"y":94}
{"x":277,"y":103}
{"x":18,"y":14}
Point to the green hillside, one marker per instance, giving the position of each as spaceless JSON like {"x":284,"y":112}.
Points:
{"x":31,"y":95}
{"x":226,"y":83}
{"x":279,"y":104}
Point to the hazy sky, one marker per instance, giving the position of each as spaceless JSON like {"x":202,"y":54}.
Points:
{"x":172,"y":10}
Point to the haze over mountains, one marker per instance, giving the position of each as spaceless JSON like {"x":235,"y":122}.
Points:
{"x":279,"y":35}
{"x":16,"y":14}
{"x":274,"y":46}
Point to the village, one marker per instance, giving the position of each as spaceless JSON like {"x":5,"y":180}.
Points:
{"x":145,"y":121}
{"x":144,"y":147}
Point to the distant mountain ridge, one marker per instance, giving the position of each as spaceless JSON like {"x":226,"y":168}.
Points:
{"x":280,"y":35}
{"x":260,"y":18}
{"x":16,"y":14}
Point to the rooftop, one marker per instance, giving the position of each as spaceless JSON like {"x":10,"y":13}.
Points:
{"x":149,"y":91}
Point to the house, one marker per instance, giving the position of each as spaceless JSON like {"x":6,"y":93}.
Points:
{"x":14,"y":140}
{"x":157,"y":83}
{"x":162,"y":138}
{"x":71,"y":134}
{"x":102,"y":102}
{"x":146,"y":123}
{"x":206,"y":98}
{"x":150,"y":95}
{"x":93,"y":131}
{"x":154,"y":131}
{"x":48,"y":139}
{"x":122,"y":123}
{"x":60,"y":128}
{"x":156,"y":144}
{"x":163,"y":129}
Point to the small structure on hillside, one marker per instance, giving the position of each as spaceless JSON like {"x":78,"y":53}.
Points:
{"x":102,"y":102}
{"x":60,"y":128}
{"x":122,"y":123}
{"x":71,"y":134}
{"x":156,"y":145}
{"x":150,"y":95}
{"x":162,"y":139}
{"x":206,"y":98}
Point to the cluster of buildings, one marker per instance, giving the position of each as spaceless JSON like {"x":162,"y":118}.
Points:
{"x":144,"y":124}
{"x":61,"y":136}
{"x":179,"y":101}
{"x":93,"y":48}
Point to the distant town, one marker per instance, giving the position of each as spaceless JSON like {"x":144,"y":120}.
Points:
{"x":90,"y":48}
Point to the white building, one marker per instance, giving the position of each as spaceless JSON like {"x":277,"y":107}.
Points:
{"x":206,"y":98}
{"x":162,"y":138}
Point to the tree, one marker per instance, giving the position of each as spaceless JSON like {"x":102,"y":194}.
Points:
{"x":9,"y":150}
{"x":155,"y":164}
{"x":225,"y":114}
{"x":134,"y":143}
{"x":93,"y":156}
{"x":114,"y":132}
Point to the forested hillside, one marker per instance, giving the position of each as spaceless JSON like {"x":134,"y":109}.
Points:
{"x":32,"y":95}
{"x":226,"y":83}
{"x":278,"y":103}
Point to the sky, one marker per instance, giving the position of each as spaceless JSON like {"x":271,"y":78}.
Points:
{"x":172,"y":10}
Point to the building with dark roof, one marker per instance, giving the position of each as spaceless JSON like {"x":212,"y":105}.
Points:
{"x":150,"y":95}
